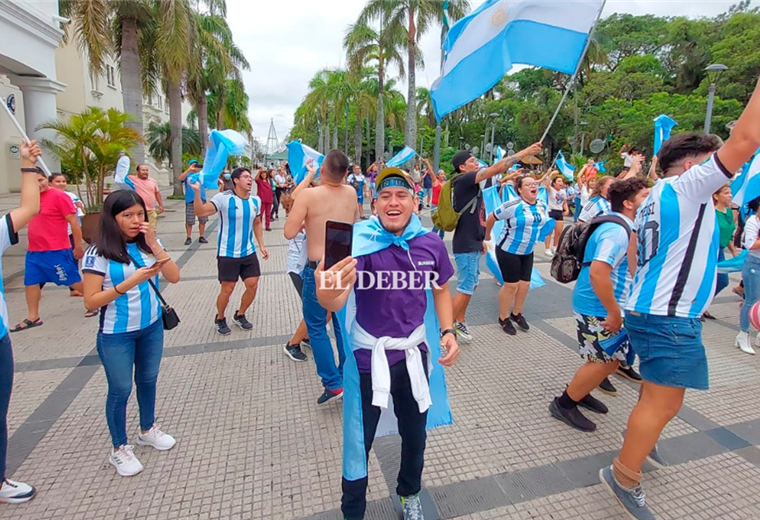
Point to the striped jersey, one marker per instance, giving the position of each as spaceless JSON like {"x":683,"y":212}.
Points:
{"x":594,"y":207}
{"x":678,"y":244}
{"x":139,"y":307}
{"x":609,"y":244}
{"x":236,"y":218}
{"x":522,"y":225}
{"x":8,"y":237}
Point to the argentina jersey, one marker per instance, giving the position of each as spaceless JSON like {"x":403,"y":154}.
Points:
{"x":8,"y":237}
{"x":593,"y":208}
{"x":609,"y":244}
{"x":139,"y":307}
{"x":522,"y":225}
{"x":236,"y":218}
{"x":678,"y":244}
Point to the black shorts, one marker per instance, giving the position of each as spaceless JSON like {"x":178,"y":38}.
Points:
{"x":297,"y":282}
{"x":514,"y":268}
{"x":230,"y":269}
{"x":556,"y":214}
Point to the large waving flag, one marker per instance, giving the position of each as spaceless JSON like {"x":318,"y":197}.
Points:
{"x":405,"y":155}
{"x":482,"y":47}
{"x":600,"y":166}
{"x":298,"y":156}
{"x":500,"y":153}
{"x":222,"y":145}
{"x":746,"y":186}
{"x":121,"y":174}
{"x":662,"y":127}
{"x":564,"y":167}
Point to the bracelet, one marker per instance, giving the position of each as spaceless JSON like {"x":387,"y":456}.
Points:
{"x":117,"y":291}
{"x":448,"y":331}
{"x":31,"y":170}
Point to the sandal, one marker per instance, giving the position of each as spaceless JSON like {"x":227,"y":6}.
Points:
{"x":27,"y":324}
{"x":708,"y":316}
{"x":90,"y":314}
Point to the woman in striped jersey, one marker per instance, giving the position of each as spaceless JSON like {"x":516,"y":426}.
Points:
{"x":598,"y":203}
{"x":523,"y":218}
{"x":117,"y":270}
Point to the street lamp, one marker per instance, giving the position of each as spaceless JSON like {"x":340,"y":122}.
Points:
{"x":493,"y":129}
{"x":583,"y":135}
{"x":713,"y":73}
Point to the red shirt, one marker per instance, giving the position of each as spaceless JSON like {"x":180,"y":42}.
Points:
{"x":48,"y":230}
{"x":265,"y":191}
{"x":436,"y":193}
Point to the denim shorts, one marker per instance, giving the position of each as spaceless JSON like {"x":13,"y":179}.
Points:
{"x":670,"y":350}
{"x":468,"y":272}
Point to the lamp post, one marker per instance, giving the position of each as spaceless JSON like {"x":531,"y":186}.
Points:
{"x":714,"y":72}
{"x":493,"y":130}
{"x":583,"y":136}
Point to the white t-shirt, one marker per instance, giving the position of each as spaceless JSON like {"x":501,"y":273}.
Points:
{"x":8,"y":237}
{"x":556,"y":200}
{"x":236,"y":218}
{"x":751,"y":234}
{"x":297,"y":254}
{"x":585,"y":195}
{"x":627,"y":159}
{"x":80,"y":213}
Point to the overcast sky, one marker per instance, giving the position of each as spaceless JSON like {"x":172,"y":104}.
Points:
{"x":288,"y":41}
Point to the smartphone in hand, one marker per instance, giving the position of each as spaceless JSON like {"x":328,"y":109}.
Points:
{"x":338,"y":241}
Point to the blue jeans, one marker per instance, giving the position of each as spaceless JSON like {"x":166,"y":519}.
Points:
{"x":120,"y":353}
{"x":6,"y":383}
{"x":751,"y":278}
{"x":440,"y":232}
{"x":315,"y":317}
{"x":722,"y":281}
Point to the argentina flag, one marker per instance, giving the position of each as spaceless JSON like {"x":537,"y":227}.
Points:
{"x":482,"y":47}
{"x":662,"y":128}
{"x":405,"y":155}
{"x":222,"y":145}
{"x":298,"y":156}
{"x":564,"y":167}
{"x":746,"y":186}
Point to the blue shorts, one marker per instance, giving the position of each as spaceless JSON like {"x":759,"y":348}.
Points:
{"x":670,"y":350}
{"x":58,"y":267}
{"x":360,"y":200}
{"x":468,"y":272}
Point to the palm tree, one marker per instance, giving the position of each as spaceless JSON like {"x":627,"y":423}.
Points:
{"x":228,"y":104}
{"x":158,"y":137}
{"x":365,"y":45}
{"x":417,"y":16}
{"x":425,"y":106}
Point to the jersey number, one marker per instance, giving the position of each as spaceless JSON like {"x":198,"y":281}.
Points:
{"x":649,"y":240}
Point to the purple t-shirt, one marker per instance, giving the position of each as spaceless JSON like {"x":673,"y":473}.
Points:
{"x":372,"y":175}
{"x":385,"y":311}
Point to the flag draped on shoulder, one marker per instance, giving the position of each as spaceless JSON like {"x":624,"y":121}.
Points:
{"x":298,"y":156}
{"x":482,"y":47}
{"x":405,"y":155}
{"x":662,"y":127}
{"x":370,"y":237}
{"x":564,"y":167}
{"x":121,"y":174}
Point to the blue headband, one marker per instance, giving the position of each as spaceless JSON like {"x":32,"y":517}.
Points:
{"x":394,"y":182}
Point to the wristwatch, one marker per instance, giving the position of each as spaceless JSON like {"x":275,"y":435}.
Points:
{"x":447,"y":331}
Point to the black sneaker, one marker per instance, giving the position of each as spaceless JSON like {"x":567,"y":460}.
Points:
{"x":592,"y":403}
{"x":294,"y":352}
{"x":242,"y":322}
{"x":607,"y":387}
{"x":572,"y":417}
{"x":329,"y":395}
{"x":203,"y":240}
{"x":506,"y":326}
{"x":305,"y":343}
{"x":222,"y":327}
{"x":520,"y":320}
{"x":188,"y":241}
{"x":629,"y":373}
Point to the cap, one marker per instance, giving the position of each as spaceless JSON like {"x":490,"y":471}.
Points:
{"x":460,"y":158}
{"x":192,"y":161}
{"x":393,"y":178}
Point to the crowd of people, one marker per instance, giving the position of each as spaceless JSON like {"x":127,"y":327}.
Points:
{"x":645,"y":247}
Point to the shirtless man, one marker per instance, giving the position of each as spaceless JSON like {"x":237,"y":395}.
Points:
{"x":333,"y":199}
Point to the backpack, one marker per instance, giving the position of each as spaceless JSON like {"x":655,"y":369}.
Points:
{"x":568,"y":259}
{"x":445,"y":217}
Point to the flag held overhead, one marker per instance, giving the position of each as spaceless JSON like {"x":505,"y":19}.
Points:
{"x":662,"y":128}
{"x":405,"y":155}
{"x":298,"y":156}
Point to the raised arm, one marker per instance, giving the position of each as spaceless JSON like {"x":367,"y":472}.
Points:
{"x":745,"y":137}
{"x":507,"y":162}
{"x":202,"y":209}
{"x":30,"y":189}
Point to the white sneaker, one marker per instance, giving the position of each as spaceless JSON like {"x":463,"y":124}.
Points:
{"x":12,"y":492}
{"x":156,"y":438}
{"x":549,"y":252}
{"x":742,"y":341}
{"x":125,"y":462}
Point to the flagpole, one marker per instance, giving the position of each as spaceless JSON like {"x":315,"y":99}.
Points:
{"x":23,"y":135}
{"x":437,"y":145}
{"x":575,"y":74}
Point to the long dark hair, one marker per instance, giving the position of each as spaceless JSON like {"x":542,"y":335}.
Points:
{"x":111,"y":242}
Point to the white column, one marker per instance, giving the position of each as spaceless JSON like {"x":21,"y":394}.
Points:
{"x":40,"y":107}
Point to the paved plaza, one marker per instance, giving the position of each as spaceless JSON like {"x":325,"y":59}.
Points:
{"x":252,"y":443}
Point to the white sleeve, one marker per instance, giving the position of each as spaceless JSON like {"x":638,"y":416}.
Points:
{"x":507,"y":210}
{"x":257,"y":205}
{"x":219,"y":201}
{"x":94,"y":263}
{"x":751,"y":232}
{"x":699,"y":182}
{"x":8,"y":235}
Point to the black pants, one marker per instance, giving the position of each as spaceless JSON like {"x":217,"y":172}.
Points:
{"x":411,"y":426}
{"x":276,"y":202}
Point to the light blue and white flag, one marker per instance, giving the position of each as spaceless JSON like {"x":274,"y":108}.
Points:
{"x":746,"y":186}
{"x":298,"y":157}
{"x":564,"y":167}
{"x":600,"y":166}
{"x":405,"y":155}
{"x":500,"y":153}
{"x":222,"y":145}
{"x":733,"y":265}
{"x":482,"y":47}
{"x":662,"y":127}
{"x":482,"y":164}
{"x":121,"y":174}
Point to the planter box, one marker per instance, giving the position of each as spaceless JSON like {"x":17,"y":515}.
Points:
{"x":90,"y":227}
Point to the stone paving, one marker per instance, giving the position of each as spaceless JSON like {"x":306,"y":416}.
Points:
{"x":252,"y":443}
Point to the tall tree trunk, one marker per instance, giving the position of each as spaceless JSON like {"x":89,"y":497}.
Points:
{"x":203,"y":124}
{"x":380,"y":123}
{"x":131,"y":83}
{"x":335,"y":133}
{"x":327,"y":135}
{"x":345,"y":142}
{"x":410,"y":135}
{"x":357,"y":139}
{"x":175,"y":123}
{"x":369,"y":137}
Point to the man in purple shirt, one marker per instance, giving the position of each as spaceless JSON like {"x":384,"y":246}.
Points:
{"x":389,"y":338}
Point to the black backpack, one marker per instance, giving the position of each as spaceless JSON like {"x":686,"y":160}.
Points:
{"x":568,"y":259}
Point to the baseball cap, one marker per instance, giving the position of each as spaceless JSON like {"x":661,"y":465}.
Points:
{"x":393,"y":178}
{"x":460,"y":158}
{"x":192,"y":161}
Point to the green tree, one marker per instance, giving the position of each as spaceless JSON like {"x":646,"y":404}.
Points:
{"x":159,"y":139}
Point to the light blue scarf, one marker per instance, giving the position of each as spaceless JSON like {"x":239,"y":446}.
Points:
{"x":370,"y":237}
